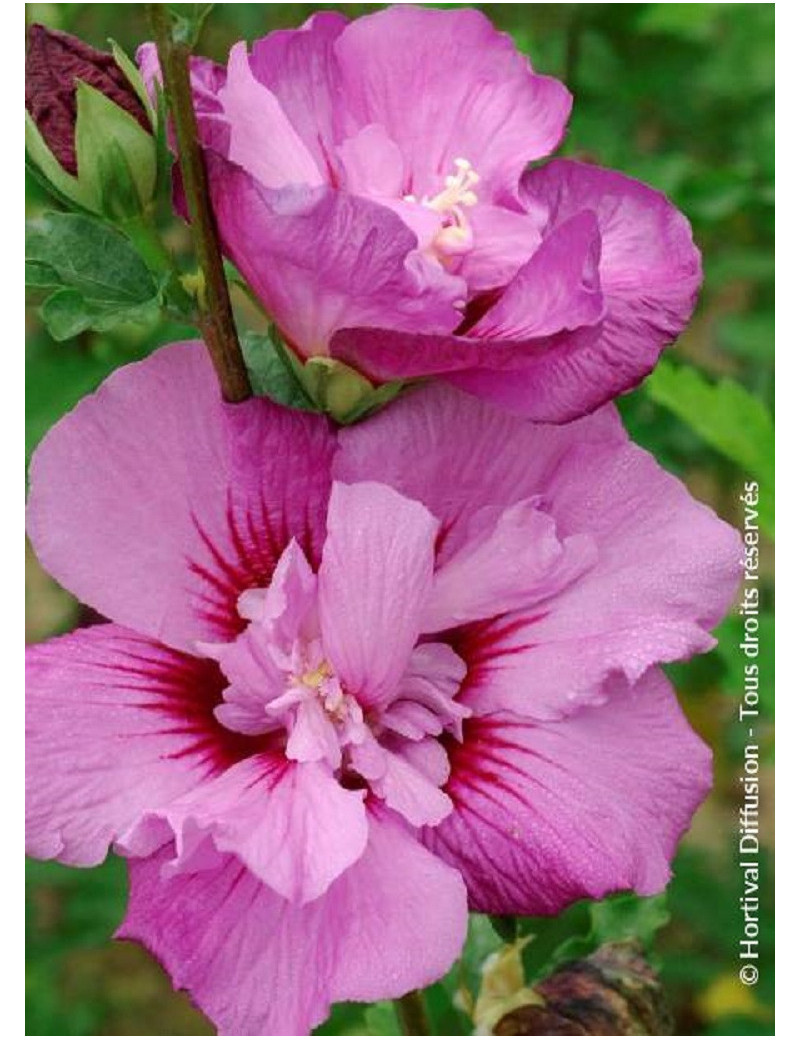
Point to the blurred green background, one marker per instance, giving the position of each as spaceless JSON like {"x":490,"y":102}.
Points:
{"x":682,"y":96}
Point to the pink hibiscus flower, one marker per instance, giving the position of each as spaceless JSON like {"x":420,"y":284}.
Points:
{"x":369,"y":181}
{"x":355,"y":683}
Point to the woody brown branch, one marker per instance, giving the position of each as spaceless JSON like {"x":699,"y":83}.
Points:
{"x":216,"y":314}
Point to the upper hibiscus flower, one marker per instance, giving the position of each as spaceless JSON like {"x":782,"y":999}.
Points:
{"x":369,"y":181}
{"x":354,"y":683}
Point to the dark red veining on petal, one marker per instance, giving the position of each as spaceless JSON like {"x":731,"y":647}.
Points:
{"x":184,"y":691}
{"x":482,"y":644}
{"x":496,"y":803}
{"x":256,"y":539}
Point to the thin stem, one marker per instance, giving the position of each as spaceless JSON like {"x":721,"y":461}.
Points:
{"x":216,"y":314}
{"x":412,"y":1014}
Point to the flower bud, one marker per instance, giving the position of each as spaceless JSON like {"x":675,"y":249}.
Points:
{"x":87,"y":126}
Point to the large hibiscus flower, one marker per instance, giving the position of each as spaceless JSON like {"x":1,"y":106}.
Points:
{"x":355,"y":683}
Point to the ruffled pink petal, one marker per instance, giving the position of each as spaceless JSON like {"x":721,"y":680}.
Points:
{"x":513,"y":562}
{"x":425,"y":703}
{"x":292,"y":825}
{"x":117,"y":726}
{"x":313,"y":737}
{"x":262,"y":140}
{"x":557,"y":289}
{"x":374,"y":580}
{"x":447,"y":85}
{"x":410,"y":791}
{"x":502,"y":241}
{"x":649,"y":273}
{"x":253,"y":664}
{"x":667,"y":570}
{"x":158,"y":505}
{"x":667,"y":567}
{"x":258,"y":965}
{"x":321,"y":260}
{"x":595,"y":803}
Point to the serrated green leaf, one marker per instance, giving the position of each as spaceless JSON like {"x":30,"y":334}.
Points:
{"x":40,"y":276}
{"x":90,"y":256}
{"x":99,"y":278}
{"x":66,"y":314}
{"x":727,"y":417}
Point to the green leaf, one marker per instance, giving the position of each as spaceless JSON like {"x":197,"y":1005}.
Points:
{"x":66,"y":314}
{"x":727,"y":417}
{"x":505,"y":926}
{"x":99,"y":278}
{"x":272,"y":373}
{"x":627,"y":916}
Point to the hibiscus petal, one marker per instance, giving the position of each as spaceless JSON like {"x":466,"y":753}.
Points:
{"x":292,"y":825}
{"x":548,"y":813}
{"x":667,"y":569}
{"x":445,"y":85}
{"x":649,"y":274}
{"x":462,"y":458}
{"x":320,"y":260}
{"x":375,"y":577}
{"x":253,"y":664}
{"x":556,"y":290}
{"x":667,"y":566}
{"x":425,"y":704}
{"x":116,"y":726}
{"x":298,"y":66}
{"x":503,"y":240}
{"x":516,"y":562}
{"x":158,"y":505}
{"x":395,"y":921}
{"x":262,"y":140}
{"x":372,"y":163}
{"x":410,"y":792}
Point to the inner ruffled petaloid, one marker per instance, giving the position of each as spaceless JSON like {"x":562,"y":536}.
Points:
{"x":282,"y":682}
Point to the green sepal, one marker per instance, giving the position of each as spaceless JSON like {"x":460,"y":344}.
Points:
{"x":51,"y":173}
{"x":341,"y":391}
{"x":116,"y":157}
{"x":134,"y":77}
